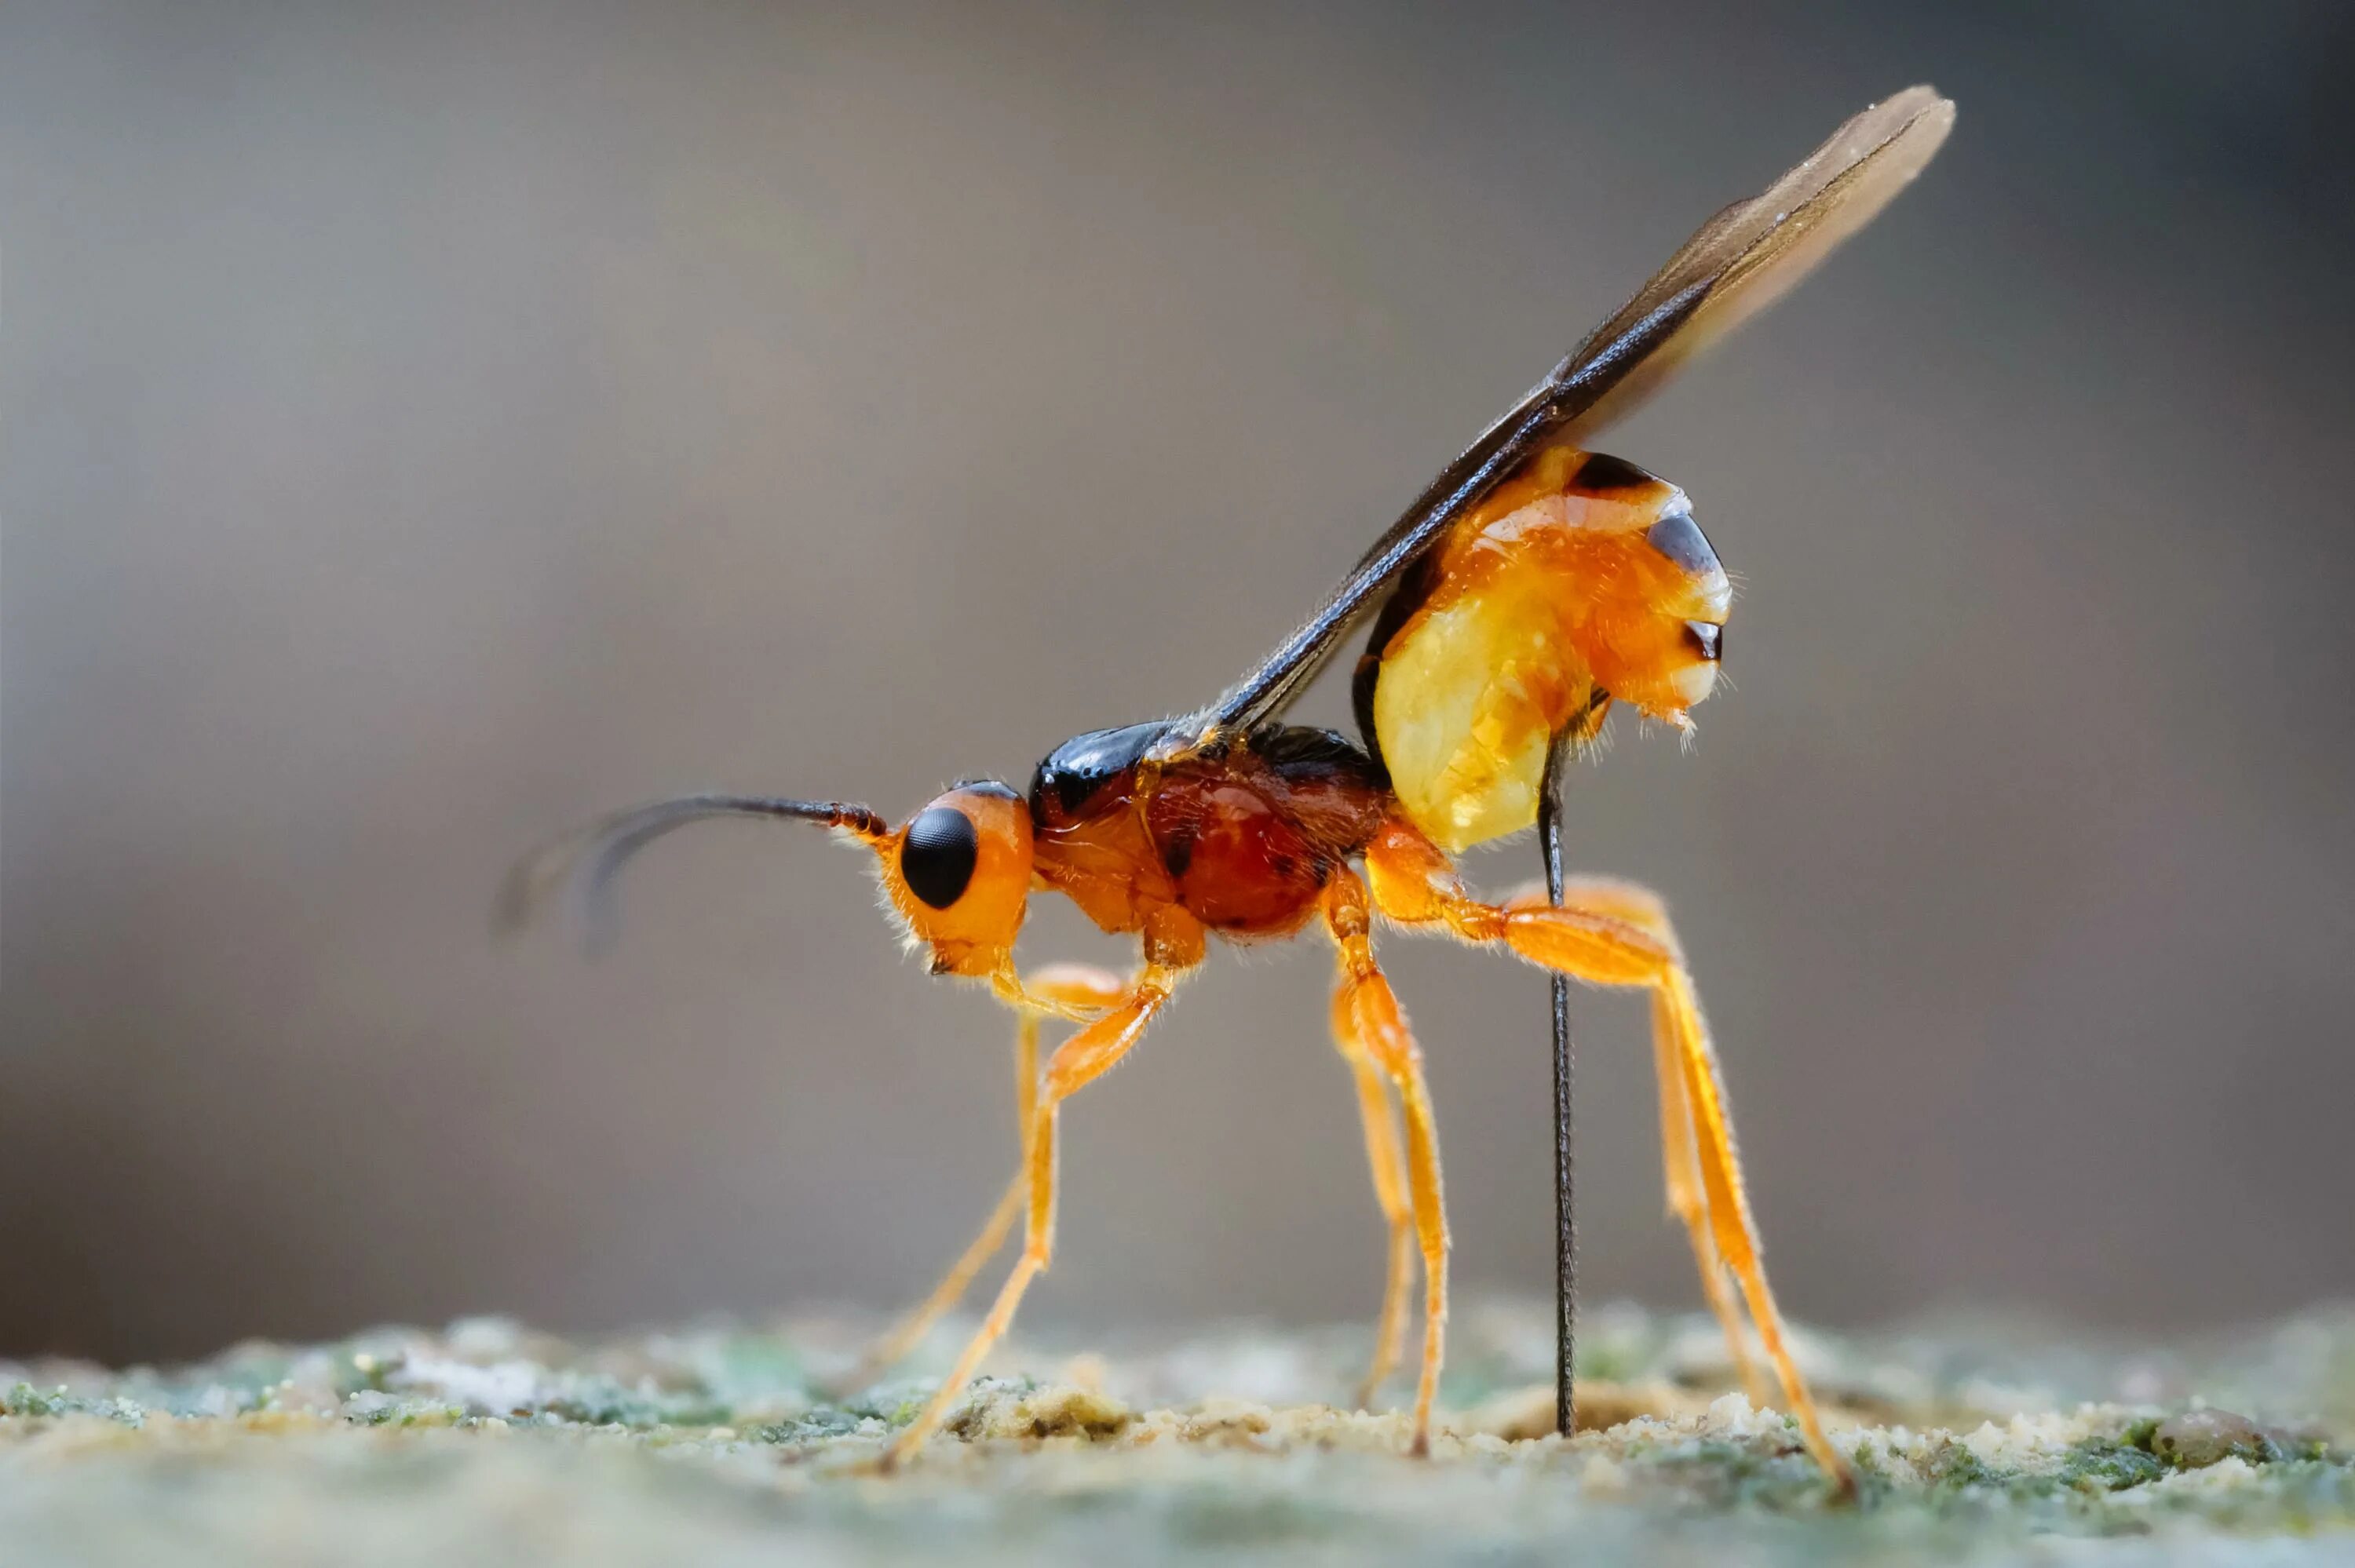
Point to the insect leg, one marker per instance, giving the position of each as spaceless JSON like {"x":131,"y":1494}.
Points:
{"x":1611,"y":934}
{"x":1687,"y":1193}
{"x":1609,"y":950}
{"x":1734,"y":1232}
{"x":1688,"y":1200}
{"x":1390,"y":1191}
{"x":1085,"y":1057}
{"x":1070,"y":985}
{"x":1382,"y":1028}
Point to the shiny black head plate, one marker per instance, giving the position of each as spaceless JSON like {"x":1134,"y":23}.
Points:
{"x":936,"y":859}
{"x":1084,"y":764}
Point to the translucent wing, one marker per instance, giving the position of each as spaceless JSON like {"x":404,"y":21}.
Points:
{"x":1741,"y":261}
{"x":1750,"y":255}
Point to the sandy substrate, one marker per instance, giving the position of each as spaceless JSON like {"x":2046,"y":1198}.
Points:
{"x":487,"y":1442}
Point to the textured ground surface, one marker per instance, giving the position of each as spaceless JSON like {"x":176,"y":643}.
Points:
{"x":487,"y":1442}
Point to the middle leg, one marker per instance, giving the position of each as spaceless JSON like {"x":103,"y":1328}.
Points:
{"x":1390,"y":1191}
{"x":1381,"y":1029}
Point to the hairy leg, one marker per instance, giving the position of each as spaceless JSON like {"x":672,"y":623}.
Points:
{"x":1390,"y":1191}
{"x":1067,"y":985}
{"x":1687,"y":1193}
{"x":1689,"y":1201}
{"x":1613,"y":934}
{"x":1382,"y":1028}
{"x":1079,"y":1060}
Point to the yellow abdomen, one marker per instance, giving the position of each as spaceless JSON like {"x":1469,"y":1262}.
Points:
{"x":1563,"y":592}
{"x":1466,"y":704}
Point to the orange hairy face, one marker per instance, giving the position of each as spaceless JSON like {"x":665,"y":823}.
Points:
{"x":959,"y":875}
{"x":1582,"y":580}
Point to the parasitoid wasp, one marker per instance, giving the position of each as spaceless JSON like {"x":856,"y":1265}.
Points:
{"x":1530,"y":589}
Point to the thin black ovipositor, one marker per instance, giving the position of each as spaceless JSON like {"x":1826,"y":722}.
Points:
{"x":1565,"y":1220}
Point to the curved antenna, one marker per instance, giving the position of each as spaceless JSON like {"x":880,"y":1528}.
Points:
{"x":578,"y":867}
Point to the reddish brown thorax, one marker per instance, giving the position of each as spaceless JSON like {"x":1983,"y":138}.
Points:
{"x":1242,"y":840}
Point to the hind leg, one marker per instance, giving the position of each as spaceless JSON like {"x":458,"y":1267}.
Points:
{"x":1613,"y":934}
{"x":1688,"y":1193}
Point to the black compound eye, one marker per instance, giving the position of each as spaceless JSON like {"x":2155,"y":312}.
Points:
{"x":1679,"y":539}
{"x":937,"y":859}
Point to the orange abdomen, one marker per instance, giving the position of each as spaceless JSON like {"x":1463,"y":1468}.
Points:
{"x":1579,"y":582}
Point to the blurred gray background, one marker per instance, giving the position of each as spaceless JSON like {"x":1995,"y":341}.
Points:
{"x":427,"y":424}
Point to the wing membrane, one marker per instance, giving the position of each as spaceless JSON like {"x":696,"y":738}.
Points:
{"x":1754,"y":252}
{"x":1741,"y":261}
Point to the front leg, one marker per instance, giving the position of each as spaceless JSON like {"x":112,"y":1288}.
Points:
{"x":1079,"y":1061}
{"x":1061,"y":986}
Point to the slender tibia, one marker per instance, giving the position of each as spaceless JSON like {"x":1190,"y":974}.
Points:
{"x":1064,"y":985}
{"x":1611,"y":934}
{"x":1688,"y":1194}
{"x":1079,"y":1060}
{"x":1381,"y":1028}
{"x":1689,"y":1202}
{"x":1735,"y":1232}
{"x":887,"y":1350}
{"x":1390,"y":1191}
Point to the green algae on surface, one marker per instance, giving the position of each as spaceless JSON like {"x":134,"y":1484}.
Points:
{"x":487,"y":1442}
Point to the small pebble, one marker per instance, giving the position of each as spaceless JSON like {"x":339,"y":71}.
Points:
{"x":2198,"y":1438}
